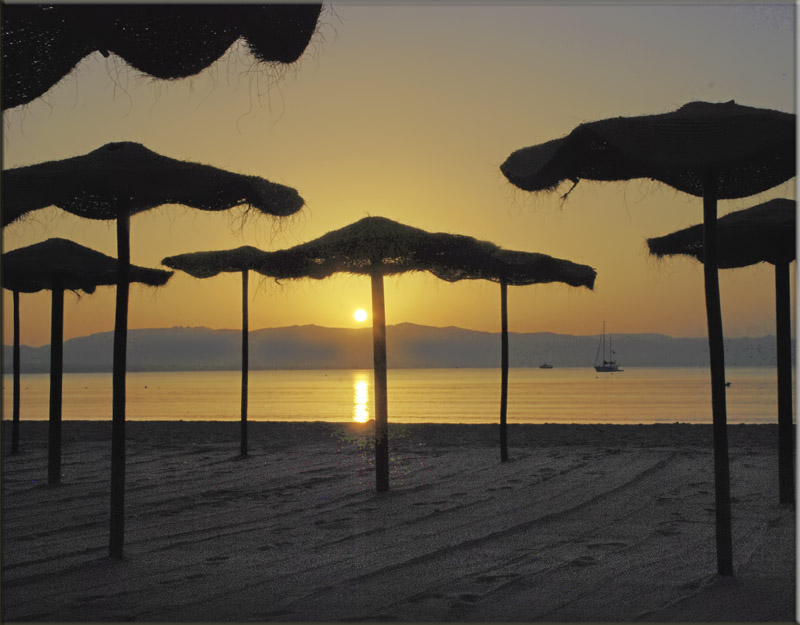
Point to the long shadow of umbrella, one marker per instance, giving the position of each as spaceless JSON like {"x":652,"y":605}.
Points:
{"x":115,"y":182}
{"x":762,"y":233}
{"x":713,"y":151}
{"x":510,"y":267}
{"x":377,"y":247}
{"x":43,"y":43}
{"x":56,"y":265}
{"x":210,"y":264}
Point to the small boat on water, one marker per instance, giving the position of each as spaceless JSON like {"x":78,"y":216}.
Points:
{"x":544,"y":365}
{"x":609,"y":365}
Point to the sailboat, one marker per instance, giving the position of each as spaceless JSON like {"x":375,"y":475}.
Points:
{"x":609,"y":365}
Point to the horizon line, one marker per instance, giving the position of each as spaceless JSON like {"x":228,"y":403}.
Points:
{"x":368,"y":327}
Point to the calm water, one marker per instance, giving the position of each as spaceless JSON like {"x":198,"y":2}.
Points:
{"x":569,"y":395}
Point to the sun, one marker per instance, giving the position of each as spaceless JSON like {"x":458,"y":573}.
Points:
{"x":360,"y":315}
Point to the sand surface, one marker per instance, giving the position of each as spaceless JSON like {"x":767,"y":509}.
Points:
{"x":597,"y":523}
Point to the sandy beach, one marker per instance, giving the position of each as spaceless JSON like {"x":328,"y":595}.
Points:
{"x":585,"y":523}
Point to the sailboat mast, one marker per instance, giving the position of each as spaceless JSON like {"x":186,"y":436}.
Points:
{"x":604,"y":342}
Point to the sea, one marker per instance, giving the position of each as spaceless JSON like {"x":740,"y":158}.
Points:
{"x":559,"y":395}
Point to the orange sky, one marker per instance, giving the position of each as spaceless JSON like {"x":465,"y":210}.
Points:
{"x":407,"y":111}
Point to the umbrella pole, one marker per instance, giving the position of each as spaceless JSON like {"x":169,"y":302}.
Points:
{"x":717,"y":356}
{"x":245,"y":365}
{"x":16,"y":391}
{"x":117,"y":517}
{"x":56,"y":367}
{"x":503,"y":369}
{"x":784,"y":348}
{"x":379,"y":362}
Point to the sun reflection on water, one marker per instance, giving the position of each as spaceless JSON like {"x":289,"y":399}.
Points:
{"x":360,"y":401}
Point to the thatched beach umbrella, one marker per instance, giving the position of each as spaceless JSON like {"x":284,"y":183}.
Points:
{"x":58,"y":265}
{"x":713,"y":151}
{"x":377,"y":247}
{"x":516,"y":268}
{"x":208,"y":265}
{"x":114,"y":182}
{"x":44,"y":43}
{"x":762,"y":233}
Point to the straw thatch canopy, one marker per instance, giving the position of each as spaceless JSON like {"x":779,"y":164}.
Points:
{"x":210,"y":264}
{"x":379,"y":245}
{"x":749,"y":150}
{"x":40,"y":266}
{"x":522,"y":268}
{"x":43,"y":43}
{"x":763,"y":233}
{"x":95,"y":184}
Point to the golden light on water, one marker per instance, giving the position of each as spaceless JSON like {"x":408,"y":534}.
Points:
{"x":360,"y":315}
{"x":360,"y":410}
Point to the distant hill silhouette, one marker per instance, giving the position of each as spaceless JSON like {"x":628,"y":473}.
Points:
{"x":409,"y":346}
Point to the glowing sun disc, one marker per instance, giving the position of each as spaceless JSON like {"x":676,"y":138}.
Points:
{"x":360,"y":315}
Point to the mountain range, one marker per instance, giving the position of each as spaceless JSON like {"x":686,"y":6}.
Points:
{"x":408,"y":346}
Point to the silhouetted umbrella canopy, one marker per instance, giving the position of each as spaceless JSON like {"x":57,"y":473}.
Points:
{"x":37,"y":267}
{"x":43,"y":43}
{"x":749,"y":149}
{"x":763,"y":233}
{"x":380,"y":245}
{"x":95,"y":184}
{"x":522,"y":268}
{"x":375,"y":245}
{"x":210,"y":264}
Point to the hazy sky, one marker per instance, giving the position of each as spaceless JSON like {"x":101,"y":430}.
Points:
{"x":407,"y":111}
